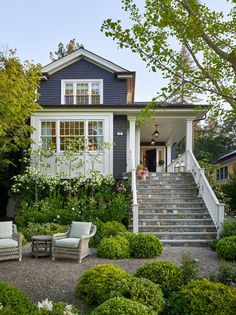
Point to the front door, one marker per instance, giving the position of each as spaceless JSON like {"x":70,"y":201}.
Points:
{"x":151,"y":156}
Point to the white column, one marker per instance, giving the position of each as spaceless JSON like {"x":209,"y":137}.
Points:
{"x":189,"y":140}
{"x":168,"y":155}
{"x":132,"y":139}
{"x":137,"y":146}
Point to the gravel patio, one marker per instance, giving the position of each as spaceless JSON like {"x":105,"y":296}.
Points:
{"x":41,"y":278}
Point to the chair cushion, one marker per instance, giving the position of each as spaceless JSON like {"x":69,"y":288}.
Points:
{"x":68,"y":242}
{"x":7,"y":243}
{"x":79,"y":228}
{"x":6,"y":229}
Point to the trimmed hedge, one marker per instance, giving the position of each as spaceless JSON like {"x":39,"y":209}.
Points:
{"x":14,"y":300}
{"x":164,"y":273}
{"x":140,"y":290}
{"x":203,"y":297}
{"x":122,"y":306}
{"x":95,"y":285}
{"x":114,"y":248}
{"x":226,"y":248}
{"x":145,"y":246}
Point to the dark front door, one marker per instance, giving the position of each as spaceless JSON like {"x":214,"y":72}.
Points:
{"x":151,"y":156}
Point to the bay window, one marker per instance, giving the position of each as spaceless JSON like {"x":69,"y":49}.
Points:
{"x":82,"y":92}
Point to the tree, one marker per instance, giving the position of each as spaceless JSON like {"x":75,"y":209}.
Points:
{"x":207,"y":35}
{"x":215,"y":138}
{"x":63,"y":51}
{"x":18,"y":94}
{"x":182,"y":92}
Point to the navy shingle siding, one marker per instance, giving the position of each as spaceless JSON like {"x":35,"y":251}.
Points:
{"x":119,"y":149}
{"x":114,"y":90}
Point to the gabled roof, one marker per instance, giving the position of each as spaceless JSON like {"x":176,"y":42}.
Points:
{"x":82,"y":53}
{"x":226,"y":157}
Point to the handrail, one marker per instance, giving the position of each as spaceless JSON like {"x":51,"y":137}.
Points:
{"x":180,"y":158}
{"x":215,"y":208}
{"x":134,"y":193}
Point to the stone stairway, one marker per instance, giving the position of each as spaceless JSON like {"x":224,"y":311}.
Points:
{"x":169,"y":207}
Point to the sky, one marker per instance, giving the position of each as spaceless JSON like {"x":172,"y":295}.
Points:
{"x":35,"y":28}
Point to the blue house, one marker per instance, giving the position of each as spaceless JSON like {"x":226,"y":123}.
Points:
{"x":86,"y":96}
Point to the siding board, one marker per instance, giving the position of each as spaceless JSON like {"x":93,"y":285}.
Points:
{"x":119,"y":149}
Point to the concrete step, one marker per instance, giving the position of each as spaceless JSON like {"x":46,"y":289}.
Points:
{"x":171,"y":210}
{"x":177,"y":228}
{"x":168,"y":198}
{"x":192,"y":243}
{"x":170,"y":203}
{"x":174,"y":222}
{"x":184,"y":235}
{"x":174,"y":217}
{"x":167,"y":191}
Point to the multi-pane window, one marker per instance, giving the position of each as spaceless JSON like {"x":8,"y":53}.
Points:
{"x":48,"y":134}
{"x":71,"y":134}
{"x":95,"y":135}
{"x":76,"y":134}
{"x":222,"y":173}
{"x":82,"y":92}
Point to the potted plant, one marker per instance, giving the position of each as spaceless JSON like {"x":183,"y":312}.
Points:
{"x":144,"y":173}
{"x":139,"y":169}
{"x":161,"y":162}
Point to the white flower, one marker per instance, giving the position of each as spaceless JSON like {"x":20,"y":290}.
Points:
{"x":73,"y":209}
{"x":58,"y":216}
{"x":46,"y":305}
{"x":1,"y":306}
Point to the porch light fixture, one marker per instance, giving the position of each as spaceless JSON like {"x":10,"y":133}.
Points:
{"x":156,"y":133}
{"x":152,"y":142}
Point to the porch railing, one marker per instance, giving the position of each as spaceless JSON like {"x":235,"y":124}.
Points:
{"x":215,"y":208}
{"x":134,"y":192}
{"x":180,"y":159}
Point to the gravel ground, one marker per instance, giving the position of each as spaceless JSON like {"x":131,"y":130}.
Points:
{"x":41,"y":278}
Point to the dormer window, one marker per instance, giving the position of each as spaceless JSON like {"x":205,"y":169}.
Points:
{"x":82,"y":92}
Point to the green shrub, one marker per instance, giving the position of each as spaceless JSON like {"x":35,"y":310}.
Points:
{"x":189,"y":267}
{"x":203,"y":297}
{"x":43,"y":229}
{"x":95,"y":285}
{"x":127,"y":234}
{"x":145,"y":246}
{"x":106,"y":229}
{"x":229,"y":228}
{"x":114,"y":248}
{"x":140,"y":290}
{"x":226,"y":248}
{"x":24,"y":240}
{"x":164,"y":273}
{"x":15,"y":299}
{"x":122,"y":306}
{"x":226,"y":275}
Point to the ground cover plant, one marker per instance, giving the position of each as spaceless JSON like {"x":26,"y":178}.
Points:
{"x":226,"y":248}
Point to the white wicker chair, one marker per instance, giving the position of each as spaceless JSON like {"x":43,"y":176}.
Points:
{"x":10,"y":242}
{"x":74,"y":243}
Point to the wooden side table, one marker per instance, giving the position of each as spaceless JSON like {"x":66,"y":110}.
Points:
{"x":41,"y":245}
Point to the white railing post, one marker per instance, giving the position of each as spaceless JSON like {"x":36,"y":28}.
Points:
{"x":220,"y":219}
{"x":201,"y":173}
{"x":134,"y":193}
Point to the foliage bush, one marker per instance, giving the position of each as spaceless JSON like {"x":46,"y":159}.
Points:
{"x":226,"y":275}
{"x":14,"y":299}
{"x":189,"y":267}
{"x":229,"y":228}
{"x":43,"y":229}
{"x":114,"y":248}
{"x":164,"y":273}
{"x":24,"y":240}
{"x":203,"y":297}
{"x":106,"y":229}
{"x":145,"y":246}
{"x":140,"y":290}
{"x":95,"y":285}
{"x":226,"y":248}
{"x":229,"y":189}
{"x":122,"y":306}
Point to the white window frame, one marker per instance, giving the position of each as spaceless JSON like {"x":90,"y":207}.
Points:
{"x":74,"y":82}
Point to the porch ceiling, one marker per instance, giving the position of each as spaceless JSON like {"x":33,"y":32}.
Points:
{"x":171,"y":130}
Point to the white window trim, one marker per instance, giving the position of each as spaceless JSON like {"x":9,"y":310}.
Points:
{"x":64,"y":81}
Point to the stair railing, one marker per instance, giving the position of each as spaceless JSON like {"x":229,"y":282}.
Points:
{"x":215,"y":208}
{"x":172,"y":166}
{"x":134,"y":193}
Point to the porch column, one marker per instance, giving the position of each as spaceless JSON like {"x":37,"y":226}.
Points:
{"x":189,"y":140}
{"x":137,"y":146}
{"x":132,"y":140}
{"x":168,"y":154}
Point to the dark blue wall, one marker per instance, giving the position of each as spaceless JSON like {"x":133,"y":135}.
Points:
{"x":114,"y":91}
{"x":119,"y":149}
